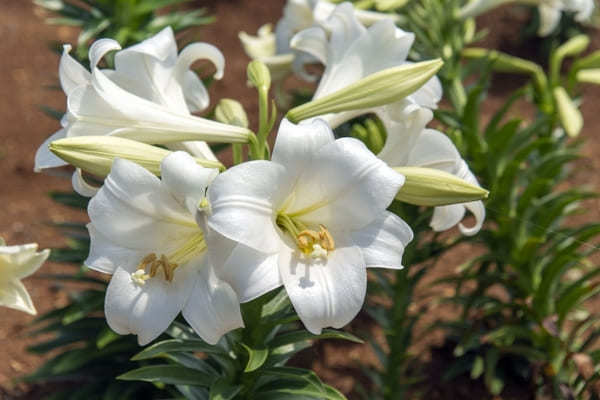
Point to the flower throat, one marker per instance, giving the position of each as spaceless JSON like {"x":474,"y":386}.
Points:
{"x":311,"y":243}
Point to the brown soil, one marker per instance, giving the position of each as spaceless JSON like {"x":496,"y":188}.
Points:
{"x":28,"y":68}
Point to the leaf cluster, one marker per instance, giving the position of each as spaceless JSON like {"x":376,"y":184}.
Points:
{"x":126,"y":21}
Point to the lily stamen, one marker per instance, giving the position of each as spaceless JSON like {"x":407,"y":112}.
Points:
{"x":154,"y":264}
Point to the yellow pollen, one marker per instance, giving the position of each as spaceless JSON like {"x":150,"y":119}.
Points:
{"x":315,"y":243}
{"x":168,"y":263}
{"x":154,"y":264}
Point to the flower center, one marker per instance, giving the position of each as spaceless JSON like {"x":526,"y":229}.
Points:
{"x":150,"y":265}
{"x":311,"y":243}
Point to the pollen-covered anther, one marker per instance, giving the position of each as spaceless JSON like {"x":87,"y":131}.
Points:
{"x":154,"y":264}
{"x":325,"y":239}
{"x":315,"y":244}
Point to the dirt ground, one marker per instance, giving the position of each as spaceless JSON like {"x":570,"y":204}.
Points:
{"x":28,"y":68}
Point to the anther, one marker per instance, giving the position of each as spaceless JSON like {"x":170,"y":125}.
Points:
{"x":326,"y":240}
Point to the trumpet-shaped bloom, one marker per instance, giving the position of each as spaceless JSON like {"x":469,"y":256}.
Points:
{"x":16,"y":263}
{"x":147,"y":97}
{"x":143,"y":231}
{"x":551,"y":10}
{"x":350,"y":51}
{"x":317,"y":211}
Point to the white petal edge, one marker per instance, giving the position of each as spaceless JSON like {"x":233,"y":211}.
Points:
{"x":44,"y":158}
{"x":13,"y":294}
{"x":81,"y":186}
{"x":70,"y":72}
{"x":382,"y":242}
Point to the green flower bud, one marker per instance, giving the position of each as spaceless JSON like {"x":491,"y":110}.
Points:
{"x":568,"y":113}
{"x":259,"y":75}
{"x":231,"y":112}
{"x":591,"y":75}
{"x":432,"y":187}
{"x":380,"y":88}
{"x":95,"y":154}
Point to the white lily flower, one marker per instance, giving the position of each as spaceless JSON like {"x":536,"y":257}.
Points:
{"x":16,"y":263}
{"x":147,"y":97}
{"x":143,"y":231}
{"x":273,"y":48}
{"x":410,"y":146}
{"x":350,"y":51}
{"x":551,"y":10}
{"x":318,"y":213}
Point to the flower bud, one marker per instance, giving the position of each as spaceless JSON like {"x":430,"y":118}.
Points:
{"x":95,"y":154}
{"x":433,"y":187}
{"x":591,"y":75}
{"x":380,"y":88}
{"x":259,"y":75}
{"x":568,"y":113}
{"x":231,"y":112}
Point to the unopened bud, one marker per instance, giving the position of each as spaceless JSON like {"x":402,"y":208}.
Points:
{"x":259,"y":75}
{"x":433,"y":187}
{"x":96,"y":154}
{"x":231,"y":112}
{"x":380,"y":88}
{"x":568,"y":113}
{"x":591,"y":75}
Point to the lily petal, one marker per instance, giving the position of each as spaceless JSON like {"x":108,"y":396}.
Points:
{"x":383,"y":241}
{"x":250,"y":273}
{"x":326,"y":292}
{"x":44,"y":158}
{"x":549,"y":18}
{"x":133,"y":208}
{"x":296,"y":145}
{"x":345,"y":187}
{"x":146,"y":310}
{"x":185,"y":179}
{"x":14,"y":295}
{"x":21,"y":261}
{"x":80,"y":186}
{"x":213,"y":308}
{"x":70,"y":72}
{"x":404,"y":124}
{"x":106,"y":256}
{"x":244,"y":200}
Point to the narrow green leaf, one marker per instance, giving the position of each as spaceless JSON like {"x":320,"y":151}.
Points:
{"x":177,"y":345}
{"x":302,"y":335}
{"x":169,"y":374}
